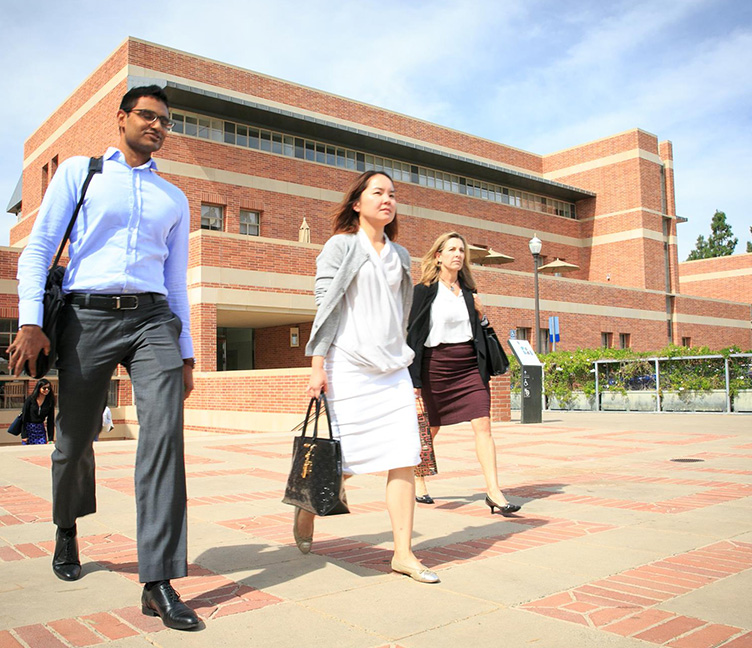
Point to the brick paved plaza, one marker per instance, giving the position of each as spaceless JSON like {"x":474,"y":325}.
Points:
{"x":616,"y":545}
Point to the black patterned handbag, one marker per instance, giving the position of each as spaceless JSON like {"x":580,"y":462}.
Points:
{"x":315,"y":483}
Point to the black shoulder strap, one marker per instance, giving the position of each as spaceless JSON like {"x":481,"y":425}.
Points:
{"x":95,"y":166}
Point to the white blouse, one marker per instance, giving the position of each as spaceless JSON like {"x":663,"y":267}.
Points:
{"x":370,"y":330}
{"x":450,"y":321}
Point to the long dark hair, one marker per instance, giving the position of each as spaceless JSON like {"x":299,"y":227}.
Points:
{"x":50,"y":394}
{"x":345,"y":218}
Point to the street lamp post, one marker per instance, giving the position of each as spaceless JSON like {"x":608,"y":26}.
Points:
{"x":535,"y":245}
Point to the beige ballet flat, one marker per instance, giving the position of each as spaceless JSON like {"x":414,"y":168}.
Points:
{"x":422,"y":575}
{"x":304,"y":544}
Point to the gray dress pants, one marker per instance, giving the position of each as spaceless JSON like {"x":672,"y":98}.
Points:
{"x":90,"y":346}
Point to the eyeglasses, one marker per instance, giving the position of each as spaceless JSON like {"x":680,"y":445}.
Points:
{"x":150,"y":117}
{"x":46,"y":387}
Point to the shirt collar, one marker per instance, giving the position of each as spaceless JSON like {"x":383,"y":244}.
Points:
{"x":116,"y":154}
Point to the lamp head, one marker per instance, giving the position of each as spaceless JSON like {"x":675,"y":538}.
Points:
{"x":535,"y":245}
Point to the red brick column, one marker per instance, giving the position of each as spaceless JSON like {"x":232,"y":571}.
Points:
{"x":204,"y":332}
{"x":500,"y":398}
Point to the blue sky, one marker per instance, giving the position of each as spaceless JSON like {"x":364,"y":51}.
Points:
{"x":540,"y":75}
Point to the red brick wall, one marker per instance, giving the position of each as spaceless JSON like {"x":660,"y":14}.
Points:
{"x":272,"y":347}
{"x":734,"y":287}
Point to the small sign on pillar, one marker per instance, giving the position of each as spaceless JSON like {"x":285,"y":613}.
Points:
{"x":553,"y":331}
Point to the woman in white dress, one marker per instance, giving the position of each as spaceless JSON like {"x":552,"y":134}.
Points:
{"x":360,"y":357}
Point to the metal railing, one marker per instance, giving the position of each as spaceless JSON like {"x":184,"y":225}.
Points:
{"x":652,"y":383}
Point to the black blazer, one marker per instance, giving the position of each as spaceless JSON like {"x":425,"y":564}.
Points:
{"x":419,"y":323}
{"x":33,"y":413}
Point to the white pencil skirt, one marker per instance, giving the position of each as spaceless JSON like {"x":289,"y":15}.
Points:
{"x":373,"y":416}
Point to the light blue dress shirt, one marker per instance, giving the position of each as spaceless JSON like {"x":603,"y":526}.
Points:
{"x":131,"y":236}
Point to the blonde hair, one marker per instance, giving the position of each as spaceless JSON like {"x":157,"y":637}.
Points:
{"x":430,"y":268}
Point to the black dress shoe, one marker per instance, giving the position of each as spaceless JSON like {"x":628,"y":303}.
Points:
{"x":65,"y":562}
{"x":424,"y":499}
{"x":505,"y":510}
{"x":163,"y":601}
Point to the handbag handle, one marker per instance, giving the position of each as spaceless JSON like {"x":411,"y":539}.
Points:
{"x":95,"y":166}
{"x":317,"y":413}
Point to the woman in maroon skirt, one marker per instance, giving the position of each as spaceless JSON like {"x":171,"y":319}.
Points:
{"x":449,"y":369}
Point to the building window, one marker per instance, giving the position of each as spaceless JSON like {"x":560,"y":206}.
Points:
{"x":625,"y":340}
{"x":8,"y":330}
{"x":250,"y":222}
{"x":523,"y":333}
{"x":686,"y":342}
{"x":53,"y":167}
{"x":113,"y":394}
{"x":235,"y":349}
{"x":228,"y":132}
{"x":544,"y":341}
{"x":607,"y":340}
{"x":45,"y":178}
{"x":212,"y":217}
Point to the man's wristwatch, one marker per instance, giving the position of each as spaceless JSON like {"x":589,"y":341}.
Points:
{"x":191,"y":362}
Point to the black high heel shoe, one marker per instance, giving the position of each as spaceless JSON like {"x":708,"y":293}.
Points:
{"x":505,"y":510}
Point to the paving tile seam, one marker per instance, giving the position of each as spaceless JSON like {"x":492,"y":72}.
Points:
{"x":349,"y":624}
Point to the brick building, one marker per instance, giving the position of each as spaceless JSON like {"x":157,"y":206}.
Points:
{"x":258,"y":157}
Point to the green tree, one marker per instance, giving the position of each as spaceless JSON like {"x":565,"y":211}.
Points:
{"x":749,"y":243}
{"x":721,"y":241}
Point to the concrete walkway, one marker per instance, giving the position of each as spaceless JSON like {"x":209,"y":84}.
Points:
{"x":616,"y":545}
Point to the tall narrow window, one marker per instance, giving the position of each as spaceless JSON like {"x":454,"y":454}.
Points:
{"x":625,"y":340}
{"x":45,"y":178}
{"x":212,"y":217}
{"x":544,"y":341}
{"x":250,"y":222}
{"x":607,"y":340}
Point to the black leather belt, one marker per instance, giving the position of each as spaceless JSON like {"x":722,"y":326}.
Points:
{"x":114,"y":302}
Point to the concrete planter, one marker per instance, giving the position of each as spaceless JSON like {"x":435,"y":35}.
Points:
{"x":632,"y":401}
{"x":644,"y":401}
{"x":743,"y":401}
{"x":694,"y":401}
{"x":578,"y":402}
{"x":614,"y":402}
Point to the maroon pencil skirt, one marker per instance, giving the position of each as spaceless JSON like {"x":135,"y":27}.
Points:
{"x":453,"y":390}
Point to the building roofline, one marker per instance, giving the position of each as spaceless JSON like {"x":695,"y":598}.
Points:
{"x":289,"y":119}
{"x":600,"y":139}
{"x":335,"y":95}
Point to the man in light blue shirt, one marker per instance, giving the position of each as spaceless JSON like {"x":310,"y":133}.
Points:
{"x":126,"y":303}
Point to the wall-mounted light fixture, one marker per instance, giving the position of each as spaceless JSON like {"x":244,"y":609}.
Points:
{"x":294,"y":336}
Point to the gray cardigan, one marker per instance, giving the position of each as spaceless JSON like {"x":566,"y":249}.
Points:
{"x":336,"y":266}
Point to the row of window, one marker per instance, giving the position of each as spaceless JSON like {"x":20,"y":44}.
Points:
{"x":213,"y":218}
{"x":228,"y":132}
{"x":607,"y":339}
